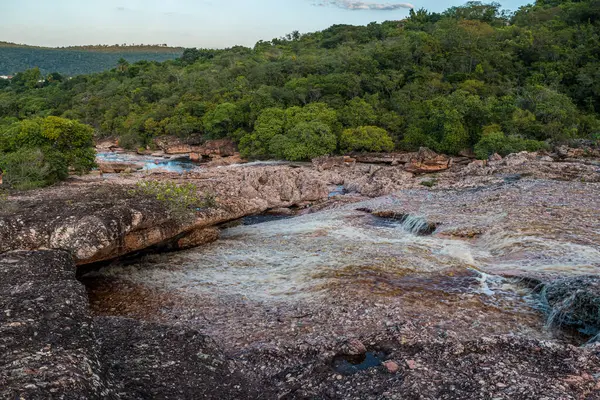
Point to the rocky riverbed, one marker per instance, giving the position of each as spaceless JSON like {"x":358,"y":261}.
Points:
{"x":383,"y":283}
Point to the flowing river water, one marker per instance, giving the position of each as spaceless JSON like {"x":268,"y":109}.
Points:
{"x":345,"y":272}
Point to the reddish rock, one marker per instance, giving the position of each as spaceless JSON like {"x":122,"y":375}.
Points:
{"x":427,"y":161}
{"x":411,"y":364}
{"x":172,"y":145}
{"x":391,"y":366}
{"x":198,"y":237}
{"x":221,"y":147}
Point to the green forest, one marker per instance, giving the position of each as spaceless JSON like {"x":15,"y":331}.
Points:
{"x":78,"y":60}
{"x":470,"y":78}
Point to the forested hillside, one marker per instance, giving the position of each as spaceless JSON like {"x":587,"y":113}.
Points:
{"x":77,"y":60}
{"x":471,"y":77}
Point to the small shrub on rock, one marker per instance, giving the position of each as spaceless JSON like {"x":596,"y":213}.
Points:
{"x":181,"y":199}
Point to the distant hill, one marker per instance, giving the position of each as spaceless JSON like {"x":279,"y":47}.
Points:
{"x":78,"y":60}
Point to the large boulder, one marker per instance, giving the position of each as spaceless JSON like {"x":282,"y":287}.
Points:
{"x":221,"y":148}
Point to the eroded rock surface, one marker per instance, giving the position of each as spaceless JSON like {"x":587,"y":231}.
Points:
{"x":99,"y":221}
{"x":154,"y":361}
{"x":47,"y":342}
{"x":277,"y":304}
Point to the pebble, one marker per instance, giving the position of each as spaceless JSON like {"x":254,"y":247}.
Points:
{"x":391,"y":366}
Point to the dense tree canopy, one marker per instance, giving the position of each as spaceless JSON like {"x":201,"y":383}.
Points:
{"x":78,"y":60}
{"x":435,"y":80}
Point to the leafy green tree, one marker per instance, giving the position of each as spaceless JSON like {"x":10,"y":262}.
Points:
{"x":297,"y":133}
{"x":40,"y":151}
{"x":304,"y":141}
{"x":357,"y":113}
{"x":269,"y":124}
{"x":223,"y":120}
{"x":495,"y":141}
{"x":366,"y":138}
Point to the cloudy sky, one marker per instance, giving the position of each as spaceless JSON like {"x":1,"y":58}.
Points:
{"x":190,"y":23}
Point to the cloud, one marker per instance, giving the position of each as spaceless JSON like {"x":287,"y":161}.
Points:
{"x":363,"y":5}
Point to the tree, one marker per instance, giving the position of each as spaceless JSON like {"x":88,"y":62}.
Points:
{"x":358,"y":112}
{"x":122,"y":65}
{"x":223,"y":120}
{"x":366,"y":138}
{"x":297,"y":133}
{"x":41,"y":151}
{"x":495,"y":141}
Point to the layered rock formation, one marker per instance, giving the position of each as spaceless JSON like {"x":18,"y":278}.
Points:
{"x":96,"y":222}
{"x":52,"y":348}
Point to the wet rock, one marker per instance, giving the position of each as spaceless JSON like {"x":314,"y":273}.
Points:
{"x":352,"y":347}
{"x":414,"y":224}
{"x":573,"y":302}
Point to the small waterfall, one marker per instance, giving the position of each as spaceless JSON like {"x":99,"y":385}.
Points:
{"x":417,"y":225}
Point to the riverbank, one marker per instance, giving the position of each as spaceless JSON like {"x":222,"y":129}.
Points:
{"x":348,"y":299}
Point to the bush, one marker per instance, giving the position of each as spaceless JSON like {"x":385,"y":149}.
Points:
{"x":498,"y":142}
{"x":366,"y":138}
{"x":40,"y":152}
{"x":32,"y":168}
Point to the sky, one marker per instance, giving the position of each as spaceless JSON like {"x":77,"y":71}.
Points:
{"x":191,"y":23}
